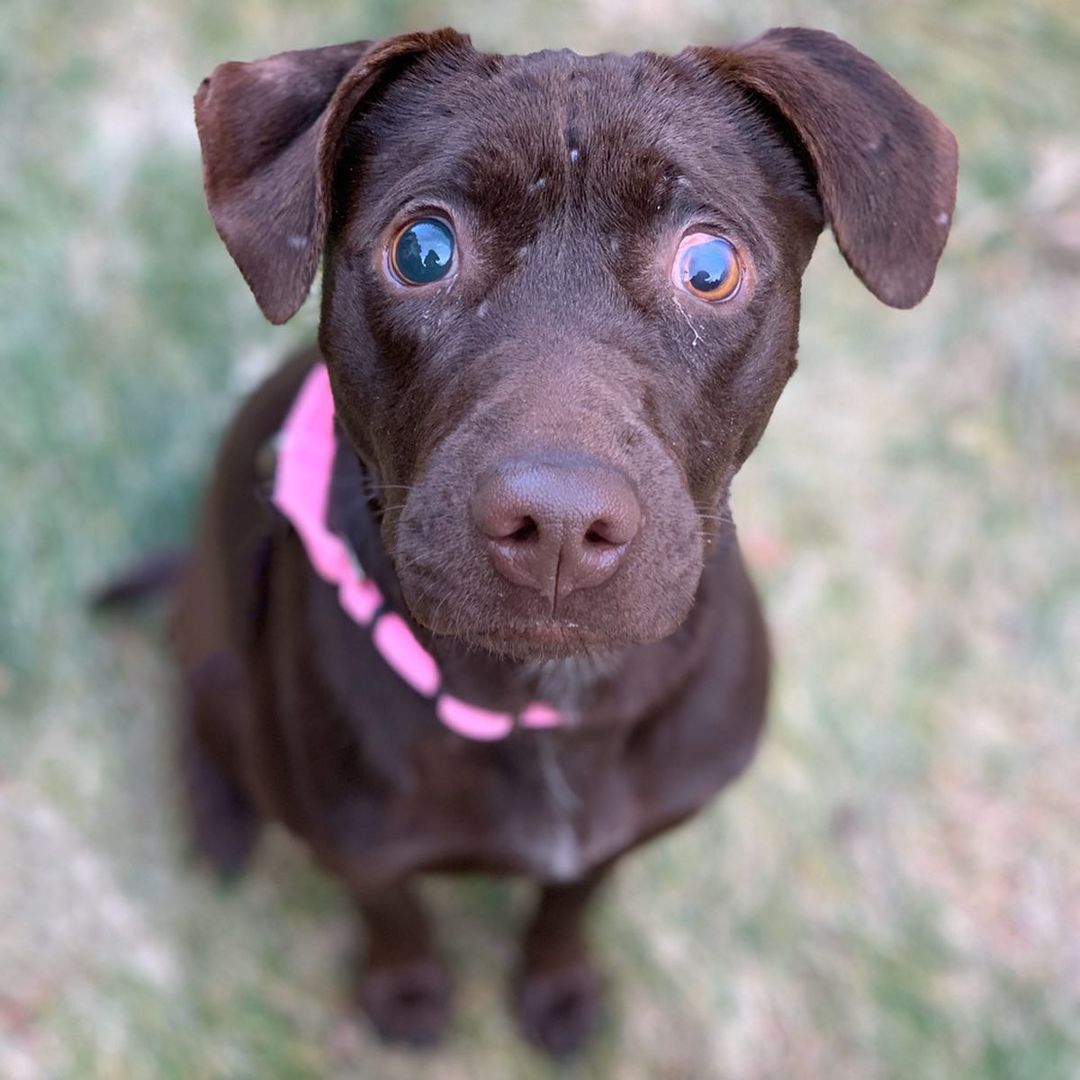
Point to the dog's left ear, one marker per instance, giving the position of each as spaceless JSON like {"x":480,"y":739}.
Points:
{"x":885,"y":165}
{"x":270,"y":133}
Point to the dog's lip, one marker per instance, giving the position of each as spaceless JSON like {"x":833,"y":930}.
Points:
{"x":563,"y":633}
{"x":544,"y":632}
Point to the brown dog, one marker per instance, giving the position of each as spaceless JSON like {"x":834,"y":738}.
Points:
{"x":560,"y":300}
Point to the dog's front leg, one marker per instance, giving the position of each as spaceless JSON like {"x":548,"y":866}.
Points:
{"x":559,"y":992}
{"x":404,"y":988}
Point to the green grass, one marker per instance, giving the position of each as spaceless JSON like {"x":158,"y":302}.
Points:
{"x":893,"y":891}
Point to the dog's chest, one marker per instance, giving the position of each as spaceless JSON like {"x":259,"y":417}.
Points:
{"x":537,"y":804}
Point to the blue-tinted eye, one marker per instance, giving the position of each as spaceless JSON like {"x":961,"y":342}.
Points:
{"x":423,"y":251}
{"x":707,"y":267}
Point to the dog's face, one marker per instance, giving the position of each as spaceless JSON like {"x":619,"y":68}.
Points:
{"x":560,"y":373}
{"x":561,"y":293}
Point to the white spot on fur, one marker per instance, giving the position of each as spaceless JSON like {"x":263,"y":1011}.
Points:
{"x":481,"y":311}
{"x":564,"y":858}
{"x":575,"y":153}
{"x":942,"y":218}
{"x":297,"y":241}
{"x":565,"y":683}
{"x":538,"y":184}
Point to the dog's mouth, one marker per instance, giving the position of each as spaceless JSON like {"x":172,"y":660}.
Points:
{"x":454,"y":595}
{"x":549,"y":639}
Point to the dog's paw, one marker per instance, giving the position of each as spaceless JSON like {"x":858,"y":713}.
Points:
{"x":559,"y":1010}
{"x":409,"y":1003}
{"x":225,"y":843}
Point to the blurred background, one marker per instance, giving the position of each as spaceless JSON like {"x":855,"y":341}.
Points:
{"x":893,"y":890}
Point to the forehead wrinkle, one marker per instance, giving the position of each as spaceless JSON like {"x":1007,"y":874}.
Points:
{"x":524,"y":162}
{"x":413,"y":189}
{"x":698,"y":204}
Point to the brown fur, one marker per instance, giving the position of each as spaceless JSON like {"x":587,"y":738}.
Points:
{"x":569,"y":181}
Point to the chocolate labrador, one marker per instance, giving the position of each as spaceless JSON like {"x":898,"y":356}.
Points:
{"x":466,"y":593}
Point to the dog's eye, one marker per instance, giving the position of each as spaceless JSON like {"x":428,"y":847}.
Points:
{"x":423,"y":252}
{"x":707,"y":266}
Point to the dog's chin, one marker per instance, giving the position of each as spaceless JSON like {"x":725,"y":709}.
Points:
{"x":542,"y":640}
{"x":535,"y":643}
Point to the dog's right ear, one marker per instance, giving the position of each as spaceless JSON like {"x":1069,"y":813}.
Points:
{"x":885,"y":165}
{"x":270,"y":133}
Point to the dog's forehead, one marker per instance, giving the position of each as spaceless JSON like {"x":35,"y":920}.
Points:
{"x":536,"y":119}
{"x":569,"y":108}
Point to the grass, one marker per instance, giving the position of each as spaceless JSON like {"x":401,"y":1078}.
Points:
{"x":893,"y":891}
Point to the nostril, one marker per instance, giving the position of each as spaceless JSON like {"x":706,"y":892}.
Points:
{"x":526,"y":532}
{"x":600,"y":534}
{"x":615,"y":529}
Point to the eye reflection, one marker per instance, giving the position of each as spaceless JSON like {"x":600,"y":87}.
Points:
{"x":423,"y":252}
{"x":708,"y":267}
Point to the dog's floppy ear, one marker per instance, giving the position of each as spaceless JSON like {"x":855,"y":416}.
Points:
{"x":885,"y":165}
{"x":270,"y":133}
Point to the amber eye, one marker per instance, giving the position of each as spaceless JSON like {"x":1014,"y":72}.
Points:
{"x":707,"y":267}
{"x":423,"y":252}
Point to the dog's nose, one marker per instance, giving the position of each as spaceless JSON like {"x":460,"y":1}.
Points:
{"x":556,"y":526}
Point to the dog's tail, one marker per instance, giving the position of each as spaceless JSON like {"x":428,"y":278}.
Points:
{"x":151,"y":574}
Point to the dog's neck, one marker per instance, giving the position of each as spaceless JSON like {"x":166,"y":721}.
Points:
{"x":567,"y":682}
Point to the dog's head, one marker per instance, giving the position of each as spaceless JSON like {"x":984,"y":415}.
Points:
{"x":561,"y":293}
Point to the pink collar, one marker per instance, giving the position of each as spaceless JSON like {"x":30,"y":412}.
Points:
{"x":305,"y":460}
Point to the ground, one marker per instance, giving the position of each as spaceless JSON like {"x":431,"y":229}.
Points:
{"x":893,"y":890}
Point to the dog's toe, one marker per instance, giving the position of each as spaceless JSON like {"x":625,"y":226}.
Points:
{"x":409,"y":1003}
{"x":560,"y":1010}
